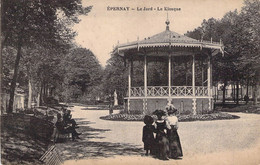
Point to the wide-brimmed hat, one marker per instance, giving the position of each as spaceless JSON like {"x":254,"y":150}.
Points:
{"x":171,"y":111}
{"x":170,"y":108}
{"x":148,"y":119}
{"x":159,"y":113}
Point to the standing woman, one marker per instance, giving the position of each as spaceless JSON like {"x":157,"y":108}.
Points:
{"x":162,"y":143}
{"x":175,"y":150}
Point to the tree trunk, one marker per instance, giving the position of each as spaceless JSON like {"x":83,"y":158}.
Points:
{"x":256,"y":87}
{"x":41,"y":93}
{"x":247,"y":85}
{"x":44,"y":90}
{"x":224,"y":93}
{"x":44,"y":96}
{"x":14,"y":80}
{"x":202,"y":74}
{"x":237,"y":92}
{"x":38,"y":99}
{"x":30,"y":94}
{"x":234,"y":92}
{"x":47,"y":90}
{"x":216,"y":93}
{"x":186,"y":74}
{"x":255,"y":93}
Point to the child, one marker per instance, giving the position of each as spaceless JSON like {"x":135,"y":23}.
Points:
{"x":148,"y":137}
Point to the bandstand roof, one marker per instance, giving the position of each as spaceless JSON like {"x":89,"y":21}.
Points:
{"x":169,"y":38}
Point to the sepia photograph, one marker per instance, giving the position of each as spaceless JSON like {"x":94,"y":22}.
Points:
{"x":140,"y":82}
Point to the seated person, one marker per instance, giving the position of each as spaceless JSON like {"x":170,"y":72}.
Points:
{"x":63,"y":128}
{"x":63,"y":110}
{"x":67,"y":118}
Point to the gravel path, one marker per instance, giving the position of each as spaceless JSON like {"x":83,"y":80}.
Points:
{"x":220,"y":138}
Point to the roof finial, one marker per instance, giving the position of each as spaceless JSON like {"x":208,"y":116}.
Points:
{"x":167,"y":23}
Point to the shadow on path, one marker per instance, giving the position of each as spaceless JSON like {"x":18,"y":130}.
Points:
{"x":85,"y":148}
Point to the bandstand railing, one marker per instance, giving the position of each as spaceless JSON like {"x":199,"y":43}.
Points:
{"x":201,"y":91}
{"x":137,"y":91}
{"x":163,"y":91}
{"x":157,"y":91}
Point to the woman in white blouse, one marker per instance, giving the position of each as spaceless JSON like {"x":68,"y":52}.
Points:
{"x":173,"y":137}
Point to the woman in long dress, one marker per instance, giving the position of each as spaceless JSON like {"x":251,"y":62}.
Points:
{"x":175,"y":150}
{"x":162,"y":143}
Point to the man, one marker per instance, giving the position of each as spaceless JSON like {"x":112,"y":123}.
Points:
{"x":62,"y":127}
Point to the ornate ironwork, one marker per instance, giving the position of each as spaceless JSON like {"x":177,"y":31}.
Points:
{"x":163,"y":91}
{"x":137,"y":91}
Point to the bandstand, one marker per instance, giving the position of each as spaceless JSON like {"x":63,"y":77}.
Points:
{"x":168,"y":45}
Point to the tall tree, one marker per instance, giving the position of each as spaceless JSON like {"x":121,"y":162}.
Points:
{"x":83,"y":72}
{"x":26,"y":23}
{"x":225,"y":68}
{"x":115,"y":77}
{"x":250,"y":59}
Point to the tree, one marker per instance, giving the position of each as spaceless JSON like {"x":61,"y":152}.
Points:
{"x":115,"y":77}
{"x":82,"y":71}
{"x":250,"y":59}
{"x":240,"y":33}
{"x":43,"y":71}
{"x":26,"y":23}
{"x":229,"y":30}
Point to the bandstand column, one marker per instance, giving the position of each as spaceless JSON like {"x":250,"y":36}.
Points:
{"x":169,"y":78}
{"x":145,"y":85}
{"x":129,"y":87}
{"x":209,"y":82}
{"x":193,"y":87}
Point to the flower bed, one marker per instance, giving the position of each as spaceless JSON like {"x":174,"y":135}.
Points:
{"x":205,"y":117}
{"x":249,"y":108}
{"x":182,"y":118}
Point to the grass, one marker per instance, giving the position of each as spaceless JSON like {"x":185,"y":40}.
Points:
{"x":244,"y":108}
{"x":19,"y":144}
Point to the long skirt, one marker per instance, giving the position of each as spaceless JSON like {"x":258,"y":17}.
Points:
{"x":162,"y":146}
{"x":175,"y":149}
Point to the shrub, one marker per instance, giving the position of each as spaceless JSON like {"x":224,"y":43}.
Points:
{"x":185,"y":112}
{"x":136,"y":112}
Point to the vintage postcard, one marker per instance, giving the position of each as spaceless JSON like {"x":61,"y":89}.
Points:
{"x":130,"y":82}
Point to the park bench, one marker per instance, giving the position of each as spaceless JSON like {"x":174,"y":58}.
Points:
{"x":51,"y":156}
{"x":58,"y":133}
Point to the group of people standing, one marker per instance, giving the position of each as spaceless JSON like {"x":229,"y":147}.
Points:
{"x":166,"y":143}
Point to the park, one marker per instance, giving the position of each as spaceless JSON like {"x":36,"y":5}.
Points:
{"x":72,"y":93}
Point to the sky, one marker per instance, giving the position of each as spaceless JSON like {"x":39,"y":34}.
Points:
{"x":105,"y":27}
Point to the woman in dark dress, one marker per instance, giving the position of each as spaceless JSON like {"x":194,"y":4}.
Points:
{"x":175,"y":150}
{"x":148,"y":137}
{"x":161,"y":138}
